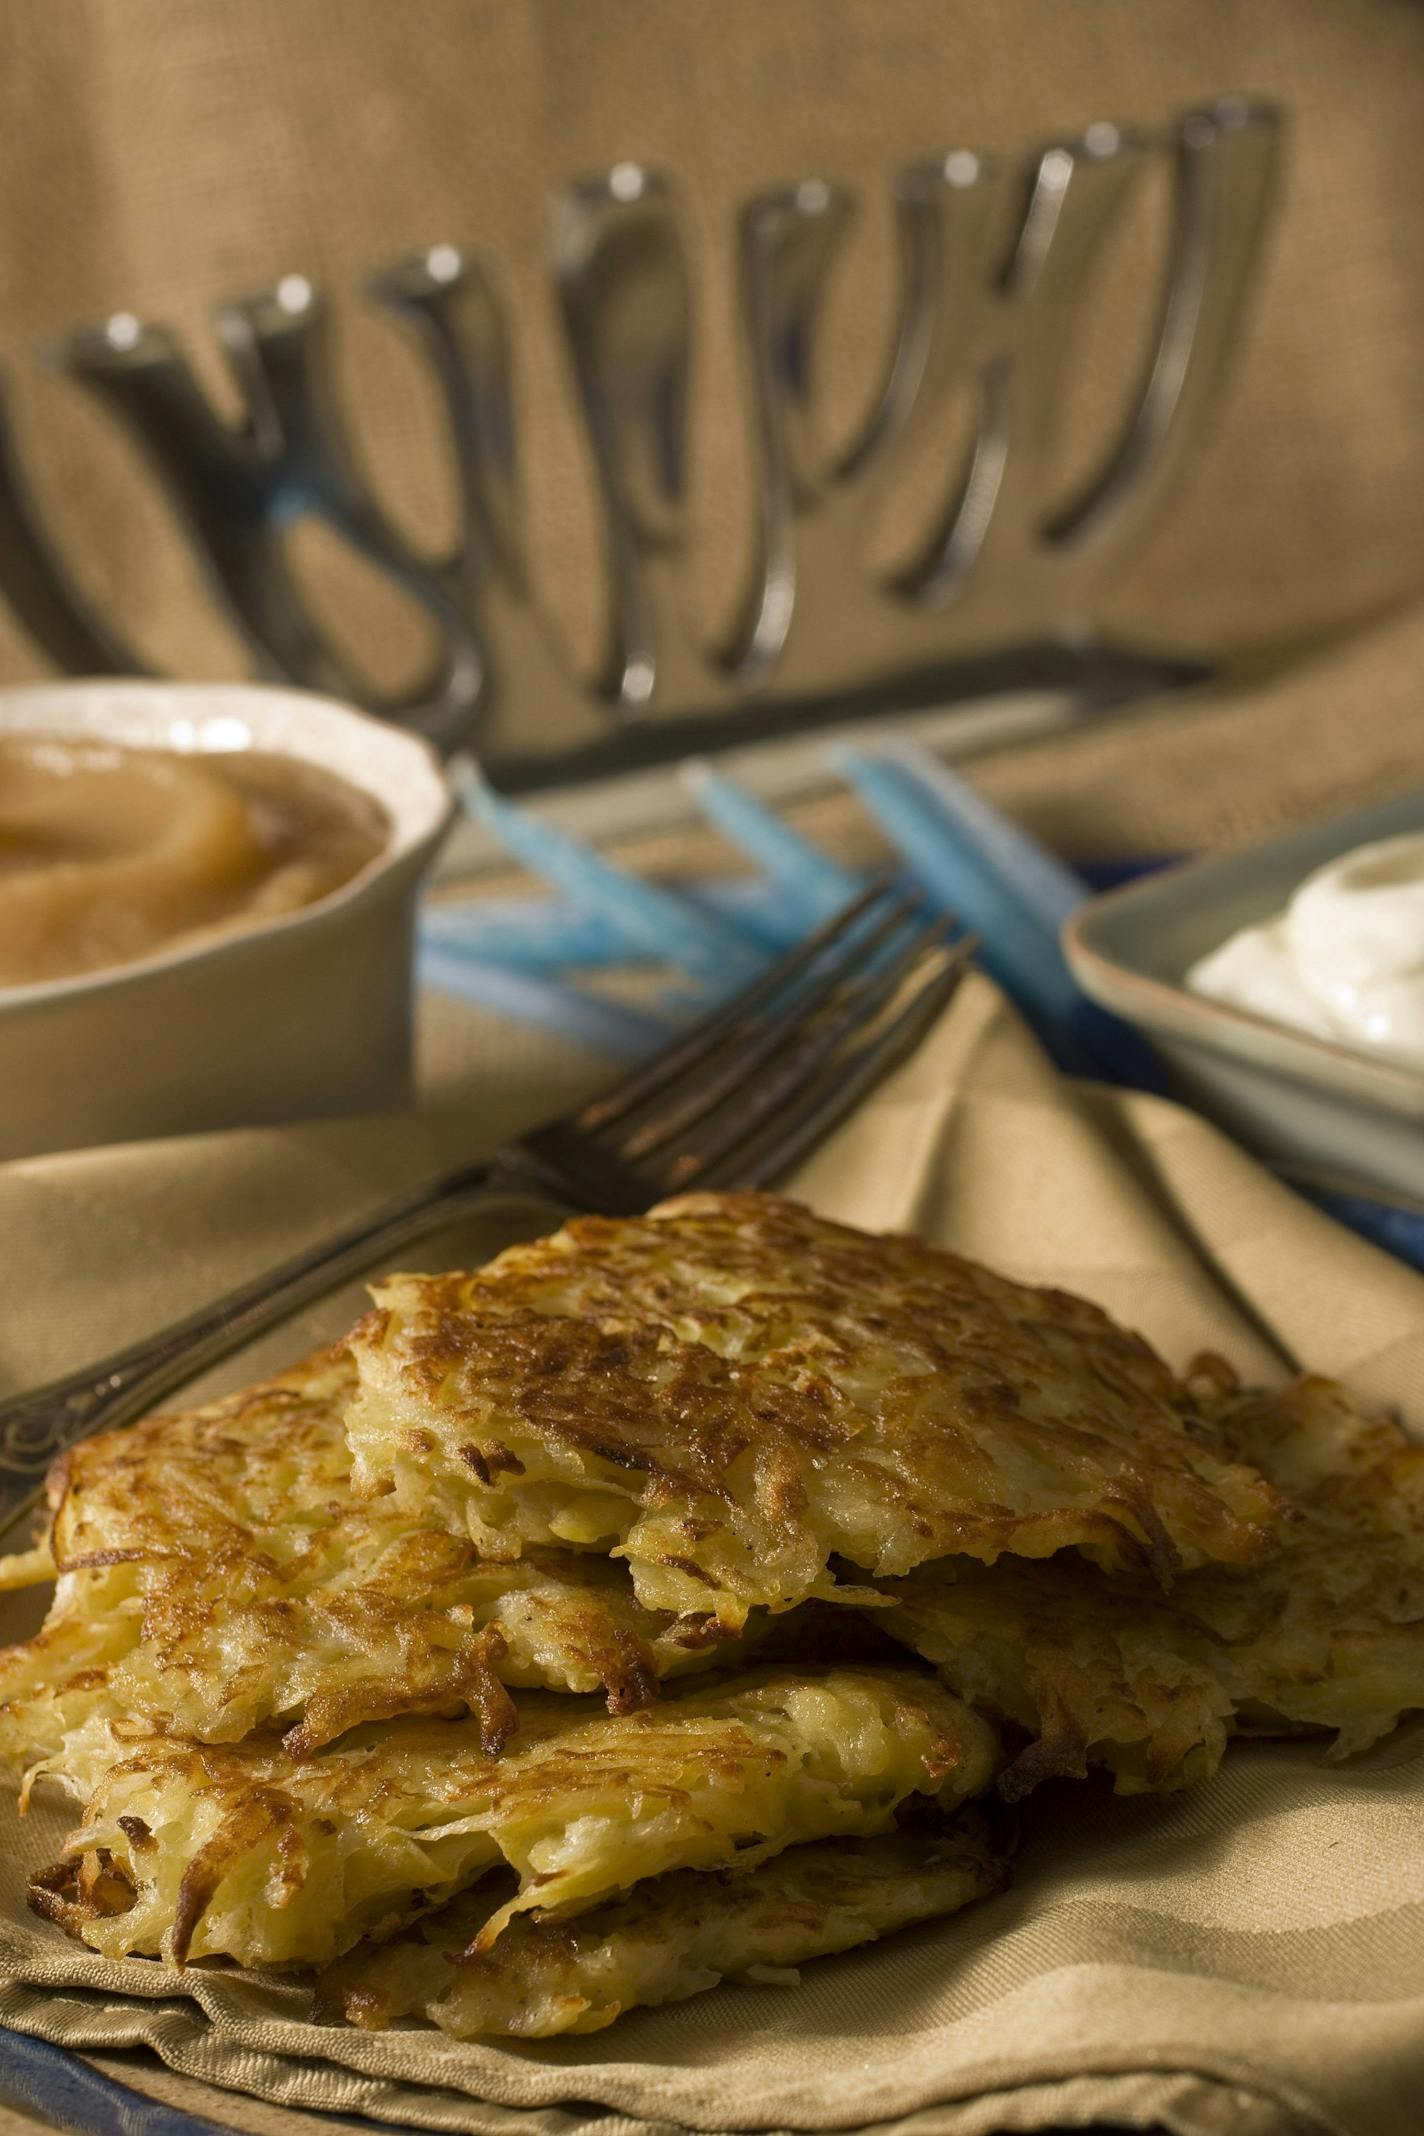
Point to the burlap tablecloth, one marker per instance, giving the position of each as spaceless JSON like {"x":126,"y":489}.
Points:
{"x":160,"y":155}
{"x":1249,"y":1956}
{"x":1246,"y":1959}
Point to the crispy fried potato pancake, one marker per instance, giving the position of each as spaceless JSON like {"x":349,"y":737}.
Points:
{"x":1331,"y":1634}
{"x":1097,"y":1672}
{"x":671,"y":1938}
{"x":731,"y":1392}
{"x":27,"y":1568}
{"x":191,"y":1850}
{"x":1327,"y":1634}
{"x":216,"y":1574}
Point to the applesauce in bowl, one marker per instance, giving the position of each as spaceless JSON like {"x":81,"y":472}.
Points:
{"x":213,"y":925}
{"x":111,"y":853}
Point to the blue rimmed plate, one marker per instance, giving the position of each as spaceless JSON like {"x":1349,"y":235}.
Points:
{"x":58,"y":2087}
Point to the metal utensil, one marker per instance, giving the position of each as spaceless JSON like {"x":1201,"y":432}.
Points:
{"x":733,"y":1103}
{"x":999,"y":269}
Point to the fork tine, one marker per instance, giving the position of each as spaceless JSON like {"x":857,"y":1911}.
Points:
{"x":769,"y":1035}
{"x":798,"y":1129}
{"x":635,"y":1089}
{"x":779,"y":1094}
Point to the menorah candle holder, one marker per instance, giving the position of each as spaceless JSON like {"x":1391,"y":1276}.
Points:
{"x":1002,"y":593}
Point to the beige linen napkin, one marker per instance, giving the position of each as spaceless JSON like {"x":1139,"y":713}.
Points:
{"x":1245,"y":1957}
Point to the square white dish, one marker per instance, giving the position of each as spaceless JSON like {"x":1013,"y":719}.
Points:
{"x":1302,"y":1102}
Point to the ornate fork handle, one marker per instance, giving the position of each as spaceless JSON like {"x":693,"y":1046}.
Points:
{"x":36,"y":1427}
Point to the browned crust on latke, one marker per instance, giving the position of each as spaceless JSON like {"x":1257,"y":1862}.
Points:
{"x":708,"y":1356}
{"x":252,"y":1558}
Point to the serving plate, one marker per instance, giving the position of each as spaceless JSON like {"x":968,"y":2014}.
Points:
{"x":1305,"y":1104}
{"x":60,"y":2088}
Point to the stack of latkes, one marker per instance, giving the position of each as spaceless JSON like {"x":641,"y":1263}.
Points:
{"x":672,"y":1599}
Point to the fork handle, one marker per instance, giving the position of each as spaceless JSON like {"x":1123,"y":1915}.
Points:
{"x":36,"y":1427}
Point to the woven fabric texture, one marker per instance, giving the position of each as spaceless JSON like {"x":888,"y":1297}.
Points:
{"x":1261,"y":1938}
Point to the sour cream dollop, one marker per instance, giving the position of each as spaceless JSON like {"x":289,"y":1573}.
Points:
{"x":1344,"y":961}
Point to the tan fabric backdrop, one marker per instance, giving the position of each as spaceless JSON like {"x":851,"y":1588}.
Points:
{"x":156,"y":154}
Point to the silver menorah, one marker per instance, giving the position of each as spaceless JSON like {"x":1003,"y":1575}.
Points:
{"x":1000,"y":592}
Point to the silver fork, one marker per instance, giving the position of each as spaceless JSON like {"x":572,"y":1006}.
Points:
{"x":734,"y":1103}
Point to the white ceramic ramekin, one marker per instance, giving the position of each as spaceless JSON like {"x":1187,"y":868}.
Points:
{"x":306,"y":1014}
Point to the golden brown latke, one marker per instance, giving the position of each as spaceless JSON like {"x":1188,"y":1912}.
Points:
{"x":672,"y":1937}
{"x":1328,"y":1633}
{"x":217,"y":1575}
{"x":732,"y":1391}
{"x":190,"y":1851}
{"x":1331,"y":1633}
{"x":1097,"y":1672}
